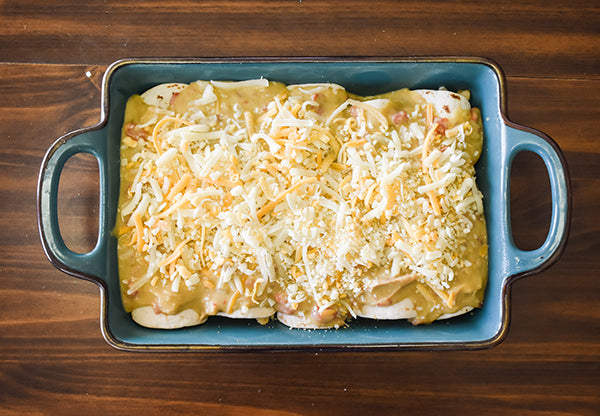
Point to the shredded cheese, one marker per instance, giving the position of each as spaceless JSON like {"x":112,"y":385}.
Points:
{"x":299,"y":194}
{"x":160,"y":124}
{"x":272,"y":204}
{"x":175,"y":255}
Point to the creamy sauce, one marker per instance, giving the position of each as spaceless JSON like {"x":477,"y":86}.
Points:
{"x":147,"y":243}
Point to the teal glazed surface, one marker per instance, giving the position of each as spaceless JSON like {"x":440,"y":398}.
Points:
{"x":503,"y":140}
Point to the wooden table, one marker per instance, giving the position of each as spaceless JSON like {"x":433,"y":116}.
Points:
{"x":53,"y":358}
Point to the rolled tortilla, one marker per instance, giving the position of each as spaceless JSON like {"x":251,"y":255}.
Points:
{"x":405,"y":309}
{"x":160,"y":95}
{"x":447,"y":104}
{"x":251,"y":313}
{"x":295,"y":321}
{"x":146,"y":316}
{"x":457,"y":313}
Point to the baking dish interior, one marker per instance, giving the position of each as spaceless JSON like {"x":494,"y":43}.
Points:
{"x":480,"y":328}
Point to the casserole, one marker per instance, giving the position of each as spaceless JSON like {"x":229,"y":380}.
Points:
{"x":301,"y":203}
{"x":503,"y":140}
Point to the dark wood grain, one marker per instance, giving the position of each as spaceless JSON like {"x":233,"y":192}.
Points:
{"x":53,"y":359}
{"x":553,"y":39}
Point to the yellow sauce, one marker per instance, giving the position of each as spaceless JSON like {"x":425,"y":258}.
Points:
{"x":246,"y":108}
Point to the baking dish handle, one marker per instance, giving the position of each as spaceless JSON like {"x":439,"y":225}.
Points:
{"x":89,"y":265}
{"x":521,"y":139}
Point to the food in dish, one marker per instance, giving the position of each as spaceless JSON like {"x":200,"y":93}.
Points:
{"x":304,"y":203}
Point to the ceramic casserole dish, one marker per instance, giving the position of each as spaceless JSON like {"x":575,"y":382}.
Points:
{"x":503,"y":139}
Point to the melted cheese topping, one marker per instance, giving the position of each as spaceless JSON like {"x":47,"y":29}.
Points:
{"x":303,"y":199}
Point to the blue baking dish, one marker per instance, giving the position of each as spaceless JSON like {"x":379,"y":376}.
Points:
{"x":481,"y":328}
